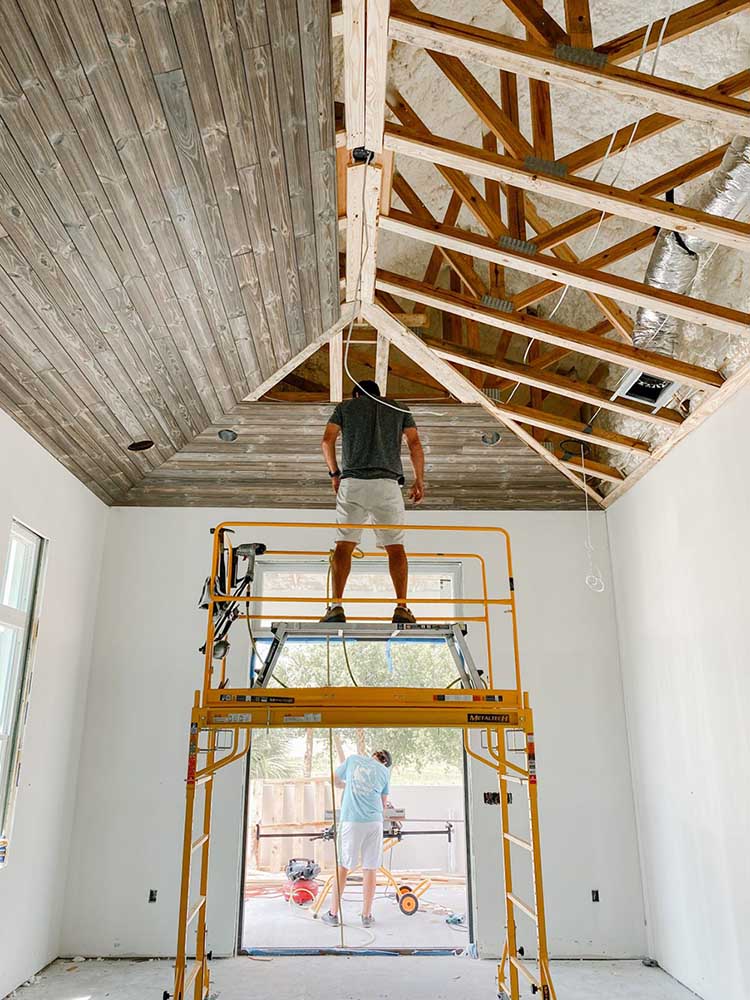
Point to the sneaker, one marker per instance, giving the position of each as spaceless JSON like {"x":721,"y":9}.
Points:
{"x":334,"y":614}
{"x":368,"y":921}
{"x":403,"y":616}
{"x":332,"y":919}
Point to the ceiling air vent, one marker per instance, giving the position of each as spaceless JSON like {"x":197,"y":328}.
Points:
{"x":649,"y":389}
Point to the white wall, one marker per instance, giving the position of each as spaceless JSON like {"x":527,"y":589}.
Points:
{"x":681,"y":555}
{"x":130,"y":801}
{"x":37,"y":490}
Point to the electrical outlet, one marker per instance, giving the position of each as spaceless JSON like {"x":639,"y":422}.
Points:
{"x":152,"y":895}
{"x":594,"y":895}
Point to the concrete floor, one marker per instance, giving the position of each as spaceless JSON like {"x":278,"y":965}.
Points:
{"x":358,"y":978}
{"x":272,"y":923}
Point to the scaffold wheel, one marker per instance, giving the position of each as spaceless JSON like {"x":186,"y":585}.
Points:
{"x":408,"y":903}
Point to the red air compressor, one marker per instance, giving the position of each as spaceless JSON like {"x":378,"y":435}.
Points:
{"x":301,"y":886}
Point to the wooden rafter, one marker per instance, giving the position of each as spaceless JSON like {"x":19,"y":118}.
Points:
{"x":581,"y":341}
{"x":461,"y":387}
{"x":503,"y":52}
{"x":578,"y":23}
{"x":540,"y":25}
{"x":680,"y":23}
{"x":514,"y":197}
{"x":705,"y":314}
{"x":619,"y":251}
{"x":658,"y":185}
{"x":281,"y":373}
{"x":530,"y":375}
{"x":449,"y":154}
{"x":481,"y":209}
{"x":644,"y":128}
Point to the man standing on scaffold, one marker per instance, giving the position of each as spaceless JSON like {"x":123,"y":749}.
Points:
{"x":368,"y":490}
{"x":366,"y":783}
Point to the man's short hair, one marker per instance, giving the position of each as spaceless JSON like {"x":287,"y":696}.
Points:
{"x":365,"y":387}
{"x":384,"y":757}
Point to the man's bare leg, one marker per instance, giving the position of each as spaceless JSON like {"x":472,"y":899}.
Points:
{"x":369,"y":878}
{"x":398,"y":567}
{"x":335,"y":900}
{"x":341,"y":565}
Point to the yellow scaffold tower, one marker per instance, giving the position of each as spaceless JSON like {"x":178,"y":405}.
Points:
{"x":223,"y":718}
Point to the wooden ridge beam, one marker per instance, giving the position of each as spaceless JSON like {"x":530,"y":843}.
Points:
{"x":594,"y":152}
{"x":584,"y":392}
{"x":461,"y":387}
{"x":705,"y":314}
{"x":680,"y":23}
{"x":428,"y":31}
{"x":580,"y":341}
{"x":459,"y":156}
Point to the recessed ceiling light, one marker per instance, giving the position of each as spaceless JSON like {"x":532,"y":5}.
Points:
{"x":227,"y":435}
{"x":140,"y":445}
{"x":491,"y":437}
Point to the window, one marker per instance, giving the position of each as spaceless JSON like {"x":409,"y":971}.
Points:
{"x":369,"y":578}
{"x":18,"y":604}
{"x":306,"y":662}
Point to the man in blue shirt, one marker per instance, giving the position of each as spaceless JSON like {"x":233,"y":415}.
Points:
{"x":366,"y":783}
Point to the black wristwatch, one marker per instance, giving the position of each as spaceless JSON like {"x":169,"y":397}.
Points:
{"x":335,"y":475}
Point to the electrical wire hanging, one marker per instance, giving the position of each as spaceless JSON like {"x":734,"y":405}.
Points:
{"x":594,"y":579}
{"x":626,"y":151}
{"x":364,"y":246}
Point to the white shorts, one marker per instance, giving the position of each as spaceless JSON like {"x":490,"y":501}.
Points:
{"x":369,"y":501}
{"x":363,"y":840}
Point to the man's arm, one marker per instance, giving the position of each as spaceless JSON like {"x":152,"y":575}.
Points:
{"x":385,"y":802}
{"x":328,"y":447}
{"x":416,"y":454}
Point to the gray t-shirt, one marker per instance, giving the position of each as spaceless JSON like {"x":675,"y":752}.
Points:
{"x":371,"y":438}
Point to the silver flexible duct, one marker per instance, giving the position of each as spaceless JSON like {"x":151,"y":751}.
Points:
{"x":676,"y":258}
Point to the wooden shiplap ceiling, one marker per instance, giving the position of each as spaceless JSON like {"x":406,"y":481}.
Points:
{"x":276,"y":462}
{"x":167,"y":217}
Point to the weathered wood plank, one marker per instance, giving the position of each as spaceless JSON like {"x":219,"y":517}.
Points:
{"x":269,"y":350}
{"x":260,"y":75}
{"x":223,"y":36}
{"x":198,"y":66}
{"x":290,"y":95}
{"x":261,"y":239}
{"x":252,"y":23}
{"x":156,"y":32}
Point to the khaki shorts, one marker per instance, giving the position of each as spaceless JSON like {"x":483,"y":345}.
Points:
{"x":369,"y":501}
